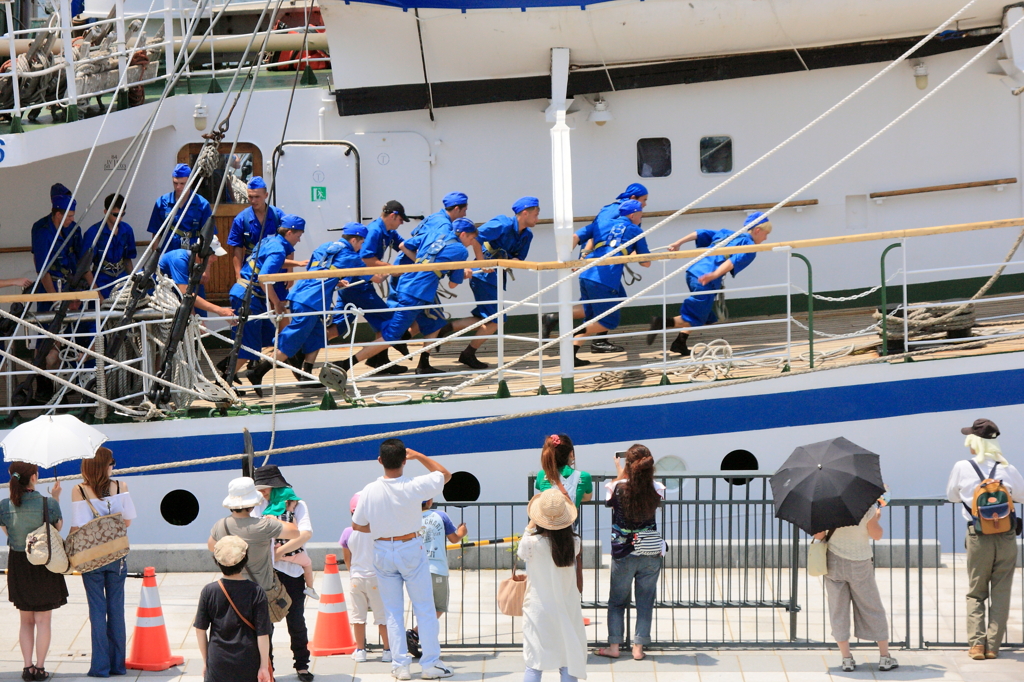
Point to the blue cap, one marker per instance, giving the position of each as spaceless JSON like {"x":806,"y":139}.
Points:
{"x":629,"y":207}
{"x":634,"y":190}
{"x":293,"y":222}
{"x":63,"y":203}
{"x":454,"y":199}
{"x":464,"y":225}
{"x":59,"y":190}
{"x":354,"y":230}
{"x":525,"y":203}
{"x":181,"y":171}
{"x":755,"y":219}
{"x":257,"y":183}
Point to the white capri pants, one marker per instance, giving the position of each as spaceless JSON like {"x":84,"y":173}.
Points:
{"x":852,"y":583}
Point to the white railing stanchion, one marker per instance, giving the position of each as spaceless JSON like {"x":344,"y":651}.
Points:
{"x":69,"y":59}
{"x":122,"y":46}
{"x":540,"y":340}
{"x":664,"y":315}
{"x":16,"y":115}
{"x":169,"y":37}
{"x":906,"y":302}
{"x":501,"y":323}
{"x":789,"y":310}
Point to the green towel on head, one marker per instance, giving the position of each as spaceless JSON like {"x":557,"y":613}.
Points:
{"x":279,"y":498}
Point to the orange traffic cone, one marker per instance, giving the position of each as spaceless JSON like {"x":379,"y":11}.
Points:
{"x":333,"y":634}
{"x":151,"y":650}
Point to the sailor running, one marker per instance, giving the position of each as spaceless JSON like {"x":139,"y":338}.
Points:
{"x":254,"y":224}
{"x":603,"y":282}
{"x":186,"y":223}
{"x":505,"y":237}
{"x":382,"y":234}
{"x":112,"y":241}
{"x":706,"y":276}
{"x":175,"y":264}
{"x":268,"y":258}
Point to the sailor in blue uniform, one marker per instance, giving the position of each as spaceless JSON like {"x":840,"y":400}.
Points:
{"x":707,"y":275}
{"x":503,"y":237}
{"x":602,"y":221}
{"x":60,"y":248}
{"x":605,"y":281}
{"x":254,"y":224}
{"x":267,"y":259}
{"x":305,"y":332}
{"x":175,"y":264}
{"x":420,"y":288}
{"x":431,"y":228}
{"x":382,"y":234}
{"x":111,"y":263}
{"x":196,"y":212}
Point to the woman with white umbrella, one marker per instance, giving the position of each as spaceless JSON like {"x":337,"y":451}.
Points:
{"x":34,"y":590}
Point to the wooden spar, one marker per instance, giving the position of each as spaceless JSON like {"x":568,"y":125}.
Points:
{"x":57,"y":296}
{"x":942,"y":188}
{"x":276,"y":43}
{"x":695,"y":211}
{"x":668,"y":255}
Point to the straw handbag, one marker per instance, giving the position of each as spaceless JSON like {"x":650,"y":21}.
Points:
{"x":45,"y":547}
{"x":511,"y":593}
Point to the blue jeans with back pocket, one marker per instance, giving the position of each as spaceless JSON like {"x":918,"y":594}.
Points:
{"x":104,"y":588}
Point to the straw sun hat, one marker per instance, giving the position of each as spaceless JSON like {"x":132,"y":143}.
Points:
{"x":551,"y":510}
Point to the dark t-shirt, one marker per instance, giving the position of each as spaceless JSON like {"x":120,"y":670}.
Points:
{"x":624,"y":529}
{"x":233,"y":654}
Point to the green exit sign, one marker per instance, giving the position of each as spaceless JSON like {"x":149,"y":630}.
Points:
{"x":318,"y":194}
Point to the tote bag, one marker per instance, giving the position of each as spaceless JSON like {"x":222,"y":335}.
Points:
{"x":101,"y":541}
{"x":511,"y":593}
{"x":45,"y":547}
{"x":817,"y":556}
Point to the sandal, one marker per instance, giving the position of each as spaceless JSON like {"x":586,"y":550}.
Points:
{"x":605,"y":653}
{"x":41,"y":674}
{"x":28,"y":674}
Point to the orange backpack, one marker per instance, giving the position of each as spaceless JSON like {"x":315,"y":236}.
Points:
{"x":992,"y":506}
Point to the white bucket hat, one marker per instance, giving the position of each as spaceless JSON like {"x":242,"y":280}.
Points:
{"x":551,"y":510}
{"x":242,"y":494}
{"x":218,"y":250}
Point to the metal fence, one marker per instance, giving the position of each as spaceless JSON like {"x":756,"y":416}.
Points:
{"x":733,"y":574}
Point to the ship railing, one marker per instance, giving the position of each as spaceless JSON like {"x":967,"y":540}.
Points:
{"x":733,"y":574}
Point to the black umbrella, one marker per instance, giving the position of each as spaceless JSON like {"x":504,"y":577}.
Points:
{"x":827,"y":485}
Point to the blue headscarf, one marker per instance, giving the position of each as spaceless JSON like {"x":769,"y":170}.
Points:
{"x":629,"y":207}
{"x":754,"y":219}
{"x":354,"y":230}
{"x":257,"y":183}
{"x":525,"y":203}
{"x":464,"y":225}
{"x":181,"y":171}
{"x":454,"y":199}
{"x":293,"y":222}
{"x":634,"y":190}
{"x":64,"y":203}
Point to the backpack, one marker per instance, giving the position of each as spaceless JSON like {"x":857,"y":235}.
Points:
{"x":992,"y":505}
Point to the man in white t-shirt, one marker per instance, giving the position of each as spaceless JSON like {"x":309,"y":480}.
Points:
{"x":389,"y":510}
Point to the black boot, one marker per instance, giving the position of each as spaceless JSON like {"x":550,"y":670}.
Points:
{"x":297,"y":361}
{"x":307,"y":367}
{"x":679,"y":345}
{"x":381,"y":359}
{"x":576,"y":360}
{"x":605,"y":346}
{"x":424,"y":366}
{"x":548,"y":322}
{"x":469,"y":359}
{"x":222,"y":366}
{"x":256,"y":374}
{"x":401,"y":347}
{"x":657,"y":324}
{"x":446,"y":331}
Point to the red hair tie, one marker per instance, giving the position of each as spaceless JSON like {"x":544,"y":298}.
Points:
{"x":555,"y":440}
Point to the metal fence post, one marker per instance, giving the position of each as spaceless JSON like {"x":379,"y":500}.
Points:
{"x":885,"y":314}
{"x":810,"y":306}
{"x":794,"y":582}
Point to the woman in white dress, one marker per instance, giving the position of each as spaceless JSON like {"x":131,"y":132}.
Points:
{"x":553,"y":634}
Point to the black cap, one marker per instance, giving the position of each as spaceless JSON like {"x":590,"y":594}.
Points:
{"x":983,"y":428}
{"x":269,"y":476}
{"x":395,"y":207}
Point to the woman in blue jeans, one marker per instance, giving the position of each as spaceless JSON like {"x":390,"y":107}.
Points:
{"x":637,"y":548}
{"x":104,"y":586}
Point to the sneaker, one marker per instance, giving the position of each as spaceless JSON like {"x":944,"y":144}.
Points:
{"x":887,"y":663}
{"x":385,"y":657}
{"x":548,"y":322}
{"x":849,"y":665}
{"x":359,"y":655}
{"x":311,"y":593}
{"x":412,"y":642}
{"x":401,"y":672}
{"x":437,"y":671}
{"x":605,"y":346}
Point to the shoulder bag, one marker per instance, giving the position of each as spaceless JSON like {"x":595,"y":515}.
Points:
{"x":278,"y":598}
{"x":45,"y":547}
{"x":101,"y":541}
{"x":817,"y":556}
{"x":512,"y":592}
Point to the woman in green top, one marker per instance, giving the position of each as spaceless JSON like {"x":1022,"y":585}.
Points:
{"x":558,"y":463}
{"x":34,"y":590}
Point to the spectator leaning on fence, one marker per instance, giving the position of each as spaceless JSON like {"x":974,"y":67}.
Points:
{"x":990,"y":557}
{"x":850,"y":581}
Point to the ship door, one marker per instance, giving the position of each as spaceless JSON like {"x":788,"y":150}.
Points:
{"x":318,"y":181}
{"x":396,"y":165}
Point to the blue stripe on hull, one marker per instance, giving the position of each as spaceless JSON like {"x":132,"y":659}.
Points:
{"x":628,"y":422}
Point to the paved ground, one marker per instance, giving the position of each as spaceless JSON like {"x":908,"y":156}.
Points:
{"x":70,"y":649}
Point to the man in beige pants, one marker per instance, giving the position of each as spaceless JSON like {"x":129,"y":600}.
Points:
{"x":990,"y":558}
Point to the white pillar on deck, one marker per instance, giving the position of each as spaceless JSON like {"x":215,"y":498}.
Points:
{"x":561,"y":184}
{"x":69,"y":57}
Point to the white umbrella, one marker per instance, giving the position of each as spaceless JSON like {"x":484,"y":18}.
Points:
{"x":48,"y":440}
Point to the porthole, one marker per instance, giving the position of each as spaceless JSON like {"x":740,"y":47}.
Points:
{"x":462,"y":487}
{"x":654,"y":157}
{"x":179,"y":507}
{"x":716,"y":154}
{"x":670,"y":465}
{"x":739,"y":460}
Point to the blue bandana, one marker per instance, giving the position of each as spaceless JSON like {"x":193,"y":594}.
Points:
{"x":181,"y":171}
{"x":293,"y":222}
{"x":454,"y":199}
{"x":525,"y":203}
{"x":257,"y":183}
{"x":354,"y":230}
{"x":64,"y":203}
{"x":464,"y":225}
{"x":754,"y":219}
{"x":629,"y":207}
{"x":634,"y":190}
